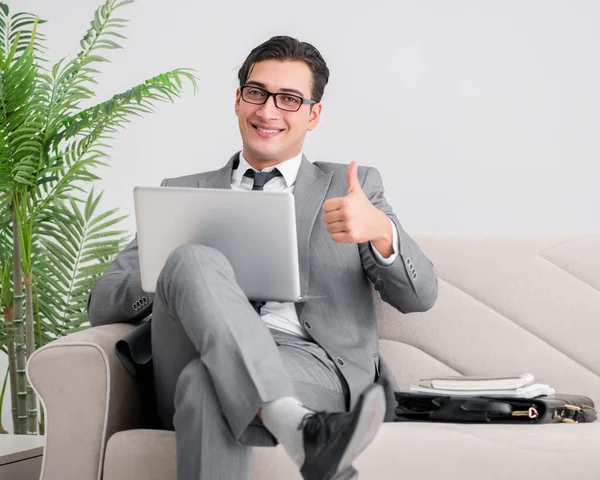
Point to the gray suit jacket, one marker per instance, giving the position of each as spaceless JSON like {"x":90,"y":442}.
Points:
{"x":344,"y":322}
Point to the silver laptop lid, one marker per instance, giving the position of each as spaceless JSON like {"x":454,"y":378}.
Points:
{"x":256,"y":231}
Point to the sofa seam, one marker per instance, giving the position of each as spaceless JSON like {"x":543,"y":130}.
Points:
{"x":567,"y":272}
{"x":514,"y":322}
{"x":565,"y":242}
{"x":459,"y":371}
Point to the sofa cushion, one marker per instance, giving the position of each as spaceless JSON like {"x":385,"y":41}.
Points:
{"x":143,"y":454}
{"x":507,"y":304}
{"x":401,"y":450}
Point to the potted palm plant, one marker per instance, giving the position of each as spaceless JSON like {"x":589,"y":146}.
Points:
{"x":54,"y":243}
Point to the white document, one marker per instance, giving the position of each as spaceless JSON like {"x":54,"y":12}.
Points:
{"x":535,"y":390}
{"x":460,"y":382}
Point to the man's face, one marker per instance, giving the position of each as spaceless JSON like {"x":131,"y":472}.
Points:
{"x":285,"y":131}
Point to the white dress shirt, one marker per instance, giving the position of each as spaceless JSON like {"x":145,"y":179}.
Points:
{"x":282,"y":315}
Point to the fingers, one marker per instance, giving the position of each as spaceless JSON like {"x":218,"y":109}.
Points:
{"x":333,"y":204}
{"x":334,"y":216}
{"x":336,"y":227}
{"x":342,"y":237}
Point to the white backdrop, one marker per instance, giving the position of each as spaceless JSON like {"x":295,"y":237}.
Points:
{"x":479,"y":115}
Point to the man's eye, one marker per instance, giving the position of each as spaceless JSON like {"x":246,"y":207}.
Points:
{"x":255,"y":93}
{"x":291,"y":100}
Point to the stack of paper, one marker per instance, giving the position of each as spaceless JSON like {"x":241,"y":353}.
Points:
{"x":521,"y":386}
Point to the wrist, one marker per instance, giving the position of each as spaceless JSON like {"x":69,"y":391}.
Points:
{"x":384,"y":230}
{"x":382,"y":242}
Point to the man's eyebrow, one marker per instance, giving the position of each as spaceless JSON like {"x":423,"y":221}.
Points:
{"x":287,"y":90}
{"x":292,"y":90}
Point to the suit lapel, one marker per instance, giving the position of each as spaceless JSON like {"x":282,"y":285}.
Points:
{"x":311,"y":187}
{"x":222,"y":177}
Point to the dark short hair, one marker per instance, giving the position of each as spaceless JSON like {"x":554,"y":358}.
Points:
{"x":288,"y":48}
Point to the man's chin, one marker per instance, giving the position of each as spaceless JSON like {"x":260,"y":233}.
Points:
{"x":266,"y":155}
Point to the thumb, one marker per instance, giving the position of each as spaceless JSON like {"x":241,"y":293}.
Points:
{"x":352,"y":176}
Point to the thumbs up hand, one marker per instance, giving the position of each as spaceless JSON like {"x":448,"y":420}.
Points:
{"x":354,"y":219}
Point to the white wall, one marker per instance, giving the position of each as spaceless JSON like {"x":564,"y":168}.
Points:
{"x":480,"y":115}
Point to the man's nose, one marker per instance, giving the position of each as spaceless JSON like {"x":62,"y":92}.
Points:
{"x":268,"y":109}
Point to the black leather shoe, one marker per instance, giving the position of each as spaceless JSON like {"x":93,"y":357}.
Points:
{"x":333,"y":440}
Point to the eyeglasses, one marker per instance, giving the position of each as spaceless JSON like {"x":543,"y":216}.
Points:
{"x":283,"y":101}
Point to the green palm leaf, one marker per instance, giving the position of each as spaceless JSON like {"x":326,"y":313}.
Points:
{"x":74,"y":252}
{"x":73,"y":81}
{"x":108,"y":116}
{"x":22,"y":24}
{"x":20,"y":118}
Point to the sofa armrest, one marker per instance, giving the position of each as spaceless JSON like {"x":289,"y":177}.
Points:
{"x":87,"y":396}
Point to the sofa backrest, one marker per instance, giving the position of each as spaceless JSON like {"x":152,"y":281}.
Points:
{"x":507,"y":304}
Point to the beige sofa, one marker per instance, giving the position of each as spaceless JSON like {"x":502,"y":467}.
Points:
{"x":507,"y":304}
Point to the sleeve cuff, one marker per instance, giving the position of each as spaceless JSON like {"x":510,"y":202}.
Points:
{"x":385,"y":262}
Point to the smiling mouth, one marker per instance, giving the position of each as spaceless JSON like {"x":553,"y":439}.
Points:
{"x":267,"y":131}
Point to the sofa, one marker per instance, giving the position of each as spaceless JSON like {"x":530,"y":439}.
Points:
{"x":508,"y":303}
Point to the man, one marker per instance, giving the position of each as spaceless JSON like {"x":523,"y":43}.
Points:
{"x":230,"y":374}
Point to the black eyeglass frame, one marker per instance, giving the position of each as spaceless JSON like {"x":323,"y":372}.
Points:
{"x":303,"y":101}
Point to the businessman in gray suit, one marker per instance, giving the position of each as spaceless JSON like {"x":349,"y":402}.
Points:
{"x":230,"y":374}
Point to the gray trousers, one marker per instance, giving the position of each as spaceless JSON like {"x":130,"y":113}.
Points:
{"x":216,"y":363}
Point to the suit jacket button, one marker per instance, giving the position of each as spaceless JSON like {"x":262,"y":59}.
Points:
{"x":307,"y":325}
{"x":340,"y":362}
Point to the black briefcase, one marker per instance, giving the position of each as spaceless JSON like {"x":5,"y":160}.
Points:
{"x":419,"y":407}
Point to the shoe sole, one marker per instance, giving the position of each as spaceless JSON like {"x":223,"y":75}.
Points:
{"x":370,"y":419}
{"x":349,"y":474}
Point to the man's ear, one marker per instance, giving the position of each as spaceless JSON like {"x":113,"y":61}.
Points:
{"x":314,"y":116}
{"x":238,"y":96}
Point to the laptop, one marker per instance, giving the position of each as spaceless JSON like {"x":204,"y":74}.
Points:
{"x":256,"y":231}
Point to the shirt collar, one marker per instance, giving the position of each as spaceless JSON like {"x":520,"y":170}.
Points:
{"x":288,"y":168}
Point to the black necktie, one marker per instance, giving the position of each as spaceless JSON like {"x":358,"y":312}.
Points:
{"x":261,"y":178}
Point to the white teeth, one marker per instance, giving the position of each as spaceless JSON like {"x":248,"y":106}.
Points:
{"x":266,"y":131}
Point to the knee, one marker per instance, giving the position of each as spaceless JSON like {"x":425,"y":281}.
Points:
{"x":193,"y":258}
{"x":195,"y":253}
